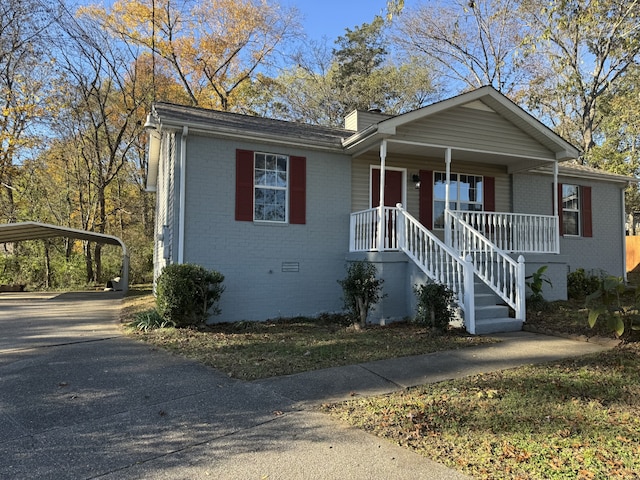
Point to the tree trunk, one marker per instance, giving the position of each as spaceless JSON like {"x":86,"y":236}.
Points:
{"x":97,"y":257}
{"x":362,"y":310}
{"x":88,"y":262}
{"x":47,"y":265}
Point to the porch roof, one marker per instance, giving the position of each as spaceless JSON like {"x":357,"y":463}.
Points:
{"x":414,"y":133}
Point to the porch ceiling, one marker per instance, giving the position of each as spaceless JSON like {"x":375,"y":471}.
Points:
{"x":513,"y":163}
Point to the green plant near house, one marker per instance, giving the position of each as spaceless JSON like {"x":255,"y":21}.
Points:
{"x":580,"y":284}
{"x":361,"y":291}
{"x":606,"y":303}
{"x":187,"y":294}
{"x":536,"y":280}
{"x":150,"y":320}
{"x":435,"y":307}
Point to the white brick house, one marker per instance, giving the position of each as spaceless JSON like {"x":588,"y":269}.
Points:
{"x":280,"y":207}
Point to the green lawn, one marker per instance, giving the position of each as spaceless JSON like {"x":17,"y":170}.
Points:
{"x":252,"y":350}
{"x":573,"y":419}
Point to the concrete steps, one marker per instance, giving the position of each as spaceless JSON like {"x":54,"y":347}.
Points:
{"x":492,"y":315}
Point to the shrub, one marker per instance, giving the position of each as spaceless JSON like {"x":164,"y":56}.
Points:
{"x":187,"y":294}
{"x":606,"y":303}
{"x":436,"y":305}
{"x":362,"y":290}
{"x":150,"y":320}
{"x":580,"y":285}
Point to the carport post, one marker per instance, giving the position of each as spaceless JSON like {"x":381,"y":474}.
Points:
{"x":125,"y":272}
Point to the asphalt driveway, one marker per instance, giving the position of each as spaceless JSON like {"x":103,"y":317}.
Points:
{"x":79,"y":401}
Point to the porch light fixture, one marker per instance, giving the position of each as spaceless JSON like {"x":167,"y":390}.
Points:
{"x":150,"y":124}
{"x":416,"y":180}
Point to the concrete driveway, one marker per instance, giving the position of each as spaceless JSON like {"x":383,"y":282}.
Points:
{"x":79,"y":401}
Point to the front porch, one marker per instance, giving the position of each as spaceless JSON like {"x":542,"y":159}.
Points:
{"x":480,"y":257}
{"x":436,"y":186}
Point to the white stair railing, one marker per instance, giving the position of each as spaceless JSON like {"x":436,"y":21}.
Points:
{"x":439,"y":262}
{"x":492,"y":265}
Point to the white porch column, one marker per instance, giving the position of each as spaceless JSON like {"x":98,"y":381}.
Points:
{"x":447,"y":221}
{"x":381,"y":220}
{"x":555,"y":205}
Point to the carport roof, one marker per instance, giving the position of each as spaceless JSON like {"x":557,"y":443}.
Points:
{"x":15,"y":232}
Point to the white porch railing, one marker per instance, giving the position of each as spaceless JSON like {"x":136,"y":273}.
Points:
{"x":438,"y":261}
{"x":466,"y":252}
{"x":491,"y":264}
{"x":365,"y":230}
{"x":515,"y":232}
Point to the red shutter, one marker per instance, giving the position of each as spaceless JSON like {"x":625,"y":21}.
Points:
{"x":560,"y":214}
{"x":489,"y":194}
{"x":587,"y":226}
{"x":426,"y":198}
{"x":297,"y":190}
{"x":244,"y":185}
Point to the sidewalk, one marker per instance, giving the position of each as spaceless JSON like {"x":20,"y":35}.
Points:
{"x":78,"y":401}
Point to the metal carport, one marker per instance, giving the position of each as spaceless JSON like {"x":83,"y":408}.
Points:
{"x":16,"y":232}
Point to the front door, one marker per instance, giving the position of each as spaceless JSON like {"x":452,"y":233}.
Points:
{"x":392,"y":187}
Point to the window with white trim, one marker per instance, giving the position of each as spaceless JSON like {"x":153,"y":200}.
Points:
{"x":570,"y":209}
{"x":270,"y":178}
{"x":465,"y":193}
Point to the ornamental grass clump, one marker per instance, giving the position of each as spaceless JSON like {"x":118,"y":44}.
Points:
{"x":187,"y":294}
{"x":362,"y":290}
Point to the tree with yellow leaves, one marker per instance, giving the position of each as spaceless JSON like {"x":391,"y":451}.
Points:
{"x":212,"y":47}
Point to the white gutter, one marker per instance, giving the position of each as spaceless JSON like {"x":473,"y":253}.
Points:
{"x":183,"y":183}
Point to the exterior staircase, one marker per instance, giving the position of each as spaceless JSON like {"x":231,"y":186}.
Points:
{"x":491,"y":313}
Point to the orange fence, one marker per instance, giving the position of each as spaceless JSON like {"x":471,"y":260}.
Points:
{"x":633,"y":253}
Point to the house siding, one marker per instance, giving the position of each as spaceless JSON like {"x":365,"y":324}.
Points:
{"x":251,"y":255}
{"x":602,"y":251}
{"x":360,"y":181}
{"x":474,"y":129}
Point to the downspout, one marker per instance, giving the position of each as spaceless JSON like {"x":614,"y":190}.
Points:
{"x":624,"y":236}
{"x":447,"y":220}
{"x":555,"y":205}
{"x":183,"y":196}
{"x":381,"y":220}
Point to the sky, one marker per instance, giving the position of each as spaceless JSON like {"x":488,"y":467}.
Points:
{"x":330,"y":17}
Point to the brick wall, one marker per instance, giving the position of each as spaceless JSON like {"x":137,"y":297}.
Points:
{"x":251,"y":255}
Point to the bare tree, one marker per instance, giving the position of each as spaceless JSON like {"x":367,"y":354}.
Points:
{"x":586,"y":47}
{"x":471,"y":43}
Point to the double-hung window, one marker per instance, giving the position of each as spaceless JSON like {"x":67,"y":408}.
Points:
{"x":270,"y":187}
{"x":465,"y":193}
{"x":571,"y":202}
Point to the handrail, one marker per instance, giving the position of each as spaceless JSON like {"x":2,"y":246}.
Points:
{"x":364,"y":231}
{"x":439,"y":262}
{"x":515,"y":232}
{"x":491,"y":264}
